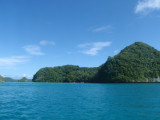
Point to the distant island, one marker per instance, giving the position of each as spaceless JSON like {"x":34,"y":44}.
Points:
{"x":138,"y":62}
{"x":8,"y":79}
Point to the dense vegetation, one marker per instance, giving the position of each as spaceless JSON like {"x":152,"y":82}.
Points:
{"x":138,"y":62}
{"x":66,"y":73}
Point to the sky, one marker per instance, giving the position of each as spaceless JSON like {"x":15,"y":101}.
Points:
{"x":46,"y":33}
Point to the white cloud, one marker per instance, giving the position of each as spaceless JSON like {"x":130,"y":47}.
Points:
{"x":116,"y":51}
{"x":145,"y":6}
{"x":13,"y":60}
{"x":102,"y":28}
{"x":33,"y":49}
{"x":45,"y":42}
{"x":93,"y":48}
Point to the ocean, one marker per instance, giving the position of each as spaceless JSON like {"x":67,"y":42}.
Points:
{"x":79,"y":101}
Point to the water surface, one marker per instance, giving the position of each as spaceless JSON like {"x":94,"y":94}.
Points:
{"x":53,"y":101}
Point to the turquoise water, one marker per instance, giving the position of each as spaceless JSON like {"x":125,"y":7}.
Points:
{"x":51,"y":101}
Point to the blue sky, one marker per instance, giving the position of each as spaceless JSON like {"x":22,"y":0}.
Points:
{"x":47,"y":33}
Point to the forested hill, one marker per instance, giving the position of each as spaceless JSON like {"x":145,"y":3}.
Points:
{"x":138,"y":62}
{"x":66,"y":73}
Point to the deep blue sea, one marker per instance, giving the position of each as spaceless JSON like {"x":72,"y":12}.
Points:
{"x":53,"y":101}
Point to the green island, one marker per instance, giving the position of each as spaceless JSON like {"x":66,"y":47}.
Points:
{"x":138,"y":62}
{"x":23,"y":79}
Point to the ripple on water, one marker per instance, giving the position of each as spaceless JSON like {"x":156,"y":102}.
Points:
{"x":47,"y":101}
